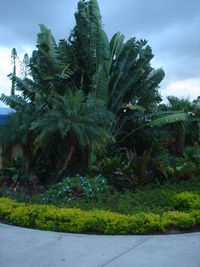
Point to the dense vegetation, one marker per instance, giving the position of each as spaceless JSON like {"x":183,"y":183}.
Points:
{"x":185,"y":215}
{"x":90,"y":106}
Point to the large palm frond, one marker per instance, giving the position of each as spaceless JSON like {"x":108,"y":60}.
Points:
{"x":87,"y":118}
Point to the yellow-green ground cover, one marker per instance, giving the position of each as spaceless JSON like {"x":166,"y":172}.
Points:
{"x":186,"y":214}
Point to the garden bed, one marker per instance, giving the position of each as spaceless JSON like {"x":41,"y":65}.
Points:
{"x":74,"y":220}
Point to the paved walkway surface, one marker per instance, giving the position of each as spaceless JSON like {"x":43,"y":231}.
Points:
{"x":21,"y":247}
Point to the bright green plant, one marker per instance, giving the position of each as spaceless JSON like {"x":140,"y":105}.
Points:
{"x":187,"y":201}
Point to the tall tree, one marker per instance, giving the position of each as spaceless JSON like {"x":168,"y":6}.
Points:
{"x":24,"y":66}
{"x":14,"y":62}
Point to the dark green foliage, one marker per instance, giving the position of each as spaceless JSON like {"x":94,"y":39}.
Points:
{"x":185,"y":131}
{"x":14,"y":175}
{"x":71,"y":85}
{"x":157,"y":198}
{"x":86,"y":99}
{"x":192,"y":154}
{"x":139,"y":164}
{"x":85,"y":117}
{"x":55,"y":104}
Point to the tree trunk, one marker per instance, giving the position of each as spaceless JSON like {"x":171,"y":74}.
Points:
{"x":28,"y":156}
{"x":179,"y":144}
{"x":66,"y":163}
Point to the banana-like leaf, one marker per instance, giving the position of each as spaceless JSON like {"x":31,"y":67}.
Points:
{"x":168,"y":119}
{"x":101,"y":85}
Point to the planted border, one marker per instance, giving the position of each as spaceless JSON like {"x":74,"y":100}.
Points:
{"x":74,"y":220}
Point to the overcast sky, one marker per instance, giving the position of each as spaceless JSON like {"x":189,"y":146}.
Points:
{"x":172,"y":28}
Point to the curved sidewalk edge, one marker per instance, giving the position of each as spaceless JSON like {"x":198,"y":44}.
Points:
{"x":22,"y":247}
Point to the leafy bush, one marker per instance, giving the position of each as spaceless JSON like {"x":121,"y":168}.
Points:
{"x":74,"y":187}
{"x":187,"y":201}
{"x":177,"y":219}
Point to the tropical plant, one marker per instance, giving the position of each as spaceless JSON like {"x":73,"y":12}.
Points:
{"x":77,"y":122}
{"x":118,"y":71}
{"x":17,"y":129}
{"x":185,"y":130}
{"x":76,"y":89}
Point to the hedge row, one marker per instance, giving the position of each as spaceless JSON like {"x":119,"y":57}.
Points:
{"x":98,"y":221}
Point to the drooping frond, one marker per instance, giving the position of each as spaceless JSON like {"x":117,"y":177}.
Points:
{"x":167,"y":119}
{"x":15,"y":102}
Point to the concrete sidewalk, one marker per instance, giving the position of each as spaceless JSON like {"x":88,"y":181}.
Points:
{"x":21,"y":247}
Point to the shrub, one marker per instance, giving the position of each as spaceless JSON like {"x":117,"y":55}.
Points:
{"x":24,"y":215}
{"x":74,"y":187}
{"x":65,"y":220}
{"x":187,"y":200}
{"x":177,"y":219}
{"x":6,"y":207}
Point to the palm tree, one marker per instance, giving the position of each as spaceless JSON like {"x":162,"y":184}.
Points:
{"x":78,"y":122}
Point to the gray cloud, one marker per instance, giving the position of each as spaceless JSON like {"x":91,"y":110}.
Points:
{"x":147,"y":16}
{"x":19,"y":19}
{"x":172,"y":27}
